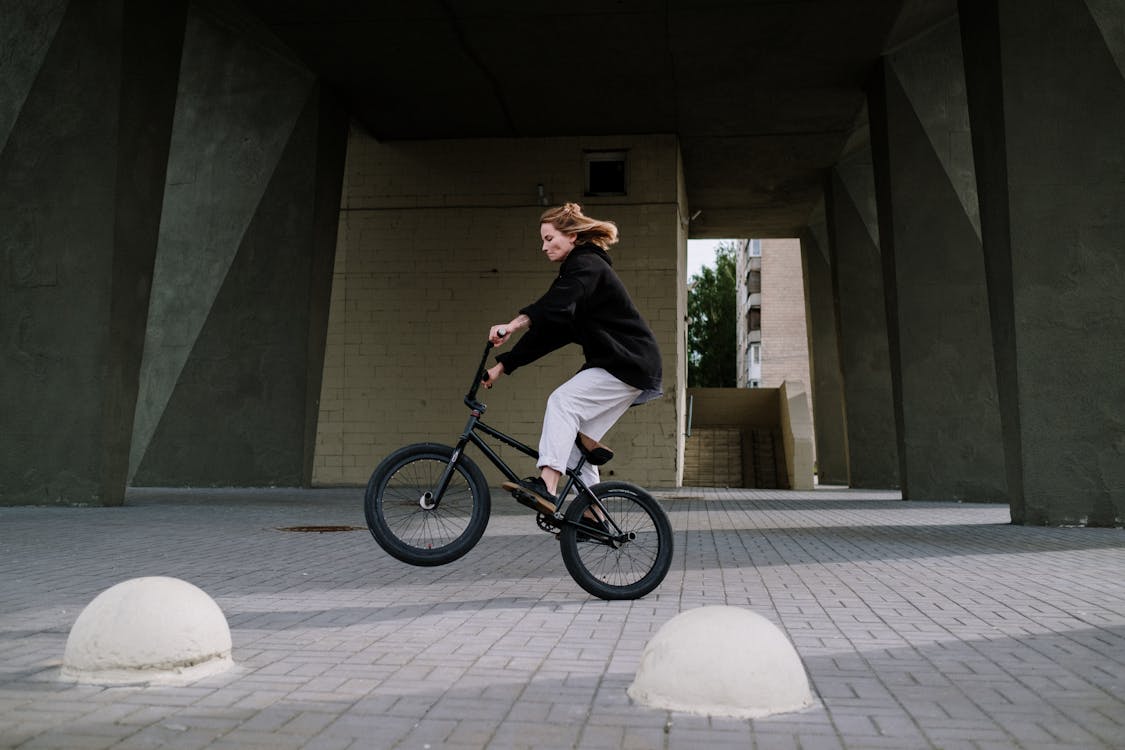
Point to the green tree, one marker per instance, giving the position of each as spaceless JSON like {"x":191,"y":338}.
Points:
{"x":712,"y":323}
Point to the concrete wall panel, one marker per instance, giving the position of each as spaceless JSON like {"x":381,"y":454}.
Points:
{"x":81,"y":173}
{"x":27,"y":32}
{"x":1066,"y":170}
{"x":941,"y":350}
{"x":238,"y":412}
{"x":1047,"y":101}
{"x":234,"y":346}
{"x":237,"y":106}
{"x":862,"y":337}
{"x":826,"y":390}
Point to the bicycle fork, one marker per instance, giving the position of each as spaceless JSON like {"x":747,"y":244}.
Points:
{"x":430,"y":499}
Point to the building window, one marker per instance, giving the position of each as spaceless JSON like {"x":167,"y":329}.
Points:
{"x":755,"y":248}
{"x":756,"y":354}
{"x":605,"y":173}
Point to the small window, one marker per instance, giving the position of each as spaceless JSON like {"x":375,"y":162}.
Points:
{"x":605,"y":173}
{"x":755,"y":248}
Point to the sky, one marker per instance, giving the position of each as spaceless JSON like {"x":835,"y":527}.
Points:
{"x":700,"y":253}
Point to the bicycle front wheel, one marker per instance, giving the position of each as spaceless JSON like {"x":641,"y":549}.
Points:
{"x":637,"y":561}
{"x":404,"y":527}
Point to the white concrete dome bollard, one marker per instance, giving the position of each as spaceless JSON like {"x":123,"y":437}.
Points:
{"x":721,"y":661}
{"x":152,"y":629}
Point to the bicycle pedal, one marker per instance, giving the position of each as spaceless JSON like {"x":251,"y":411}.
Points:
{"x":525,"y":498}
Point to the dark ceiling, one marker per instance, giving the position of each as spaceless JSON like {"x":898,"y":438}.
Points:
{"x":762,"y":95}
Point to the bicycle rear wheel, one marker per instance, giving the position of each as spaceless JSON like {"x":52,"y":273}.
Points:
{"x":408,"y":531}
{"x":637,"y":561}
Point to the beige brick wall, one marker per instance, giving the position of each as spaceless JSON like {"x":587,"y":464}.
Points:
{"x":440,"y":239}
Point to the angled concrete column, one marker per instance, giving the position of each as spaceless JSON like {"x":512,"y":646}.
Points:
{"x":1046,"y":85}
{"x":235,"y":338}
{"x":827,"y":390}
{"x":857,"y":279}
{"x":940,"y":344}
{"x":85,"y":119}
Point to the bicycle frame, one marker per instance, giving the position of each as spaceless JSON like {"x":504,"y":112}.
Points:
{"x":469,"y":435}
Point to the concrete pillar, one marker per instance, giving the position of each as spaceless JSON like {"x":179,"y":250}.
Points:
{"x":826,"y":387}
{"x":236,"y":330}
{"x":940,"y":345}
{"x":1046,"y":91}
{"x":857,"y":280}
{"x":85,"y":121}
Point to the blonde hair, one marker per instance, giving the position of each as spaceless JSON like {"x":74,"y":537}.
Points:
{"x":569,"y":219}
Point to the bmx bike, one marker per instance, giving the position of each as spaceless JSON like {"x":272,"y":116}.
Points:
{"x":428,"y":504}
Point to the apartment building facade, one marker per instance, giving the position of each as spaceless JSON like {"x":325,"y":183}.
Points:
{"x":772,"y":334}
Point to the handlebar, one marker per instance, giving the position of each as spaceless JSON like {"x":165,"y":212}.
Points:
{"x":482,"y":374}
{"x":471,"y":396}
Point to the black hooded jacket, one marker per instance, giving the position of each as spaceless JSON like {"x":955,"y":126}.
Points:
{"x":587,"y":304}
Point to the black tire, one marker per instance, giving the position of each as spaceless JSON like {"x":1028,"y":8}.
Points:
{"x":411,"y":533}
{"x":635,"y":567}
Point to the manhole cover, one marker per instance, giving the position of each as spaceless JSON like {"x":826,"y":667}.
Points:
{"x":320,"y":529}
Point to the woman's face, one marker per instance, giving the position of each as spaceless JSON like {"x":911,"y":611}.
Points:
{"x":556,"y":244}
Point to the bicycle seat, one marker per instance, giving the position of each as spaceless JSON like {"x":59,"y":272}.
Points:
{"x":595,"y":453}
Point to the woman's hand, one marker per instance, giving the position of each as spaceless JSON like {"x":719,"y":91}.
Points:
{"x":492,"y":374}
{"x":499,"y":333}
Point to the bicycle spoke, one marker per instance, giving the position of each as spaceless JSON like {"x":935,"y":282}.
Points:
{"x":416,"y":526}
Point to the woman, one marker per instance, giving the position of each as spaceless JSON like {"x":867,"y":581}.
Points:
{"x":587,"y":304}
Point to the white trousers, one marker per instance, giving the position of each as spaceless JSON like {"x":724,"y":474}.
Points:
{"x":591,"y":402}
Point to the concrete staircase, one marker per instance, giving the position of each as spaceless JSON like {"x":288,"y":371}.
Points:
{"x":713,"y":457}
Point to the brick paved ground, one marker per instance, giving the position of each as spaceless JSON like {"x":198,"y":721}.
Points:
{"x":922,"y":625}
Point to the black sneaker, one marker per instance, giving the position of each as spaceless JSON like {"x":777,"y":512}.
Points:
{"x":533,"y":493}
